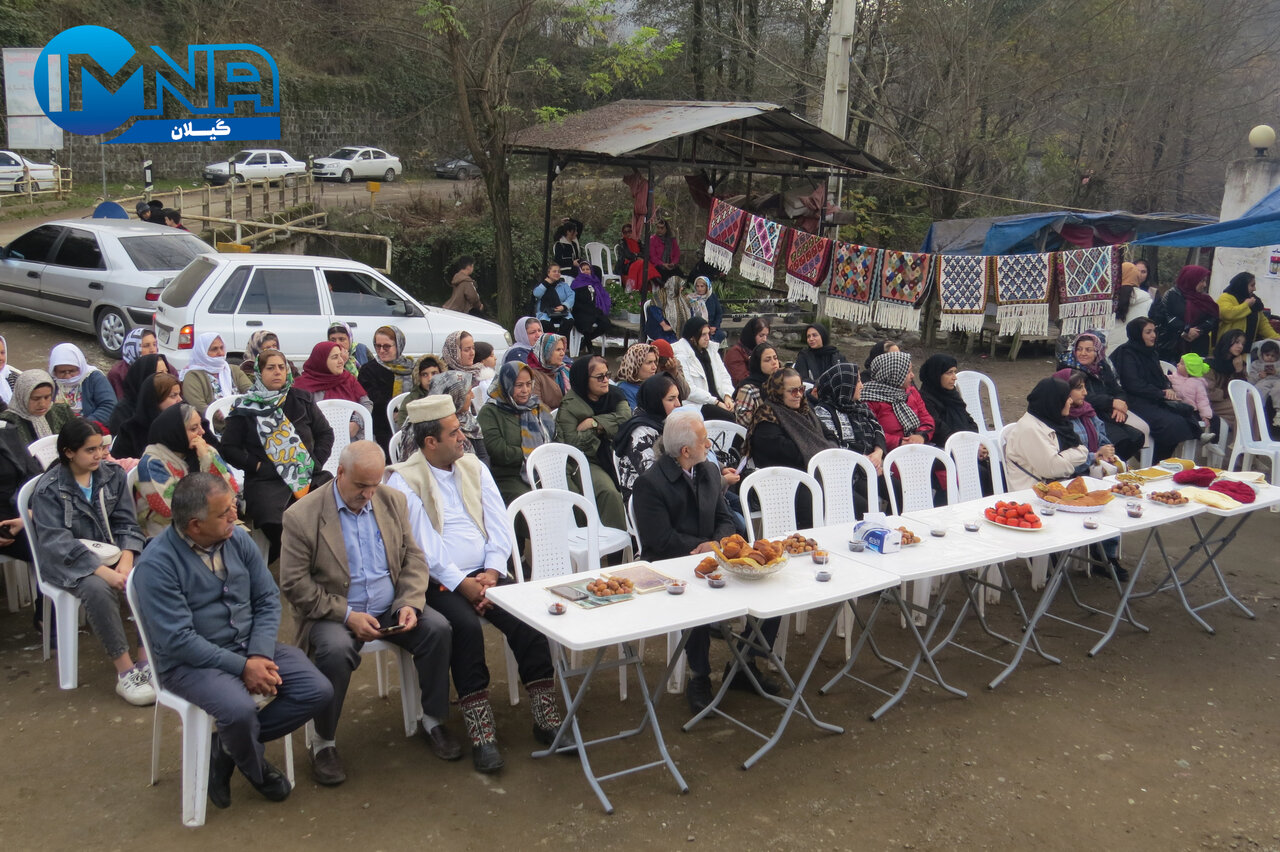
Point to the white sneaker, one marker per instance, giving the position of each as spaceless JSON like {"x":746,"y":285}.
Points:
{"x":135,"y":687}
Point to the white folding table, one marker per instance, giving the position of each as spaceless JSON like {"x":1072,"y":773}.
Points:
{"x":932,"y":557}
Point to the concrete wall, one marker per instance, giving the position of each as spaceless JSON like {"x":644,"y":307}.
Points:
{"x":1248,"y":181}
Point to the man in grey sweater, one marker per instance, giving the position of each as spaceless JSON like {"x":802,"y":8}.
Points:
{"x":211,"y":611}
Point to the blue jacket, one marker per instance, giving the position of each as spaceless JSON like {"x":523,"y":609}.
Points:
{"x":653,"y":320}
{"x":195,"y":619}
{"x":98,"y":399}
{"x":62,"y":516}
{"x":564,"y":296}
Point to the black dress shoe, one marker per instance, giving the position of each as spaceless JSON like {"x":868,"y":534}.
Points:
{"x":274,"y":785}
{"x":221,"y":766}
{"x":546,"y":736}
{"x":326,"y":767}
{"x":698,"y":693}
{"x":442,"y":743}
{"x":1119,"y":571}
{"x":768,"y":684}
{"x":487,"y":758}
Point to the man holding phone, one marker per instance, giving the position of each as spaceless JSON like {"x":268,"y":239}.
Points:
{"x":350,"y":567}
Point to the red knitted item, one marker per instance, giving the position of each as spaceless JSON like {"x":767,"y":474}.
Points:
{"x":1235,"y":490}
{"x":1201,"y":476}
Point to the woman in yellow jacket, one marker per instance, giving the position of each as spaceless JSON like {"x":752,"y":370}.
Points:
{"x":1238,"y":307}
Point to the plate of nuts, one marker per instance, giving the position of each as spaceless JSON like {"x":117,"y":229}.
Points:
{"x":1168,"y":498}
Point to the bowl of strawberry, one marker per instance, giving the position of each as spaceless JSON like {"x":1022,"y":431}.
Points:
{"x":1017,"y":516}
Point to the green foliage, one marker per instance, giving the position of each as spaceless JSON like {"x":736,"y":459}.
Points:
{"x":636,"y":60}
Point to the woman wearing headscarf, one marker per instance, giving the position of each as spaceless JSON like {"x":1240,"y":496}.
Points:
{"x":277,"y":436}
{"x":459,"y":354}
{"x":879,"y":348}
{"x":8,"y":374}
{"x":1043,"y":444}
{"x":385,"y":377}
{"x":427,"y":368}
{"x":818,"y":355}
{"x":1151,"y":395}
{"x":762,"y":364}
{"x":260,"y":341}
{"x":588,"y":418}
{"x":208,"y":376}
{"x":943,"y":402}
{"x":785,"y":432}
{"x":514,"y":423}
{"x":896,"y":403}
{"x":667,"y":311}
{"x":591,"y":303}
{"x":566,"y":250}
{"x":1239,"y":307}
{"x":848,"y":423}
{"x":17,"y":465}
{"x":755,"y":332}
{"x":1131,"y":300}
{"x":457,"y":385}
{"x":156,"y":393}
{"x":664,"y":251}
{"x":1186,"y":316}
{"x":668,"y":363}
{"x":526,"y":332}
{"x":465,"y":297}
{"x":633,"y":446}
{"x":1088,"y":354}
{"x":324,"y":376}
{"x":32,"y":410}
{"x":357,"y":353}
{"x":84,"y":389}
{"x":550,"y":373}
{"x":1090,"y":429}
{"x":176,"y":446}
{"x":638,"y":363}
{"x":1227,"y":364}
{"x":552,"y":301}
{"x":139,"y":341}
{"x":704,"y":302}
{"x":140,"y":373}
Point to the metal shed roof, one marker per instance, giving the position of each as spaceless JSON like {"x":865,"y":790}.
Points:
{"x":734,"y":136}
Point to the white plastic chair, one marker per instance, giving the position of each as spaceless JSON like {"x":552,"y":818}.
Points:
{"x":197,"y":733}
{"x":971,"y":385}
{"x":394,"y":449}
{"x":339,"y":413}
{"x":835,"y":469}
{"x":776,"y":489}
{"x":410,"y":689}
{"x":64,"y":605}
{"x":1004,"y":441}
{"x":963,"y":449}
{"x":575,"y":342}
{"x":17,"y":582}
{"x":548,"y":467}
{"x":1252,"y":435}
{"x":44,"y":450}
{"x":394,"y":406}
{"x":601,"y":255}
{"x":723,"y":434}
{"x":914,"y":463}
{"x":217,"y":413}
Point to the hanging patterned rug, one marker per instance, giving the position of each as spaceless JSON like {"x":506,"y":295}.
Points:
{"x":1023,"y":284}
{"x":724,"y":232}
{"x":760,"y":253}
{"x":1087,"y":280}
{"x":903,"y":282}
{"x":806,"y":266}
{"x":962,"y":289}
{"x":853,"y":275}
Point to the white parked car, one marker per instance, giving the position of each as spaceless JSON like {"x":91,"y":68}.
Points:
{"x":255,"y":164}
{"x":101,"y":276}
{"x":13,"y":174}
{"x":299,"y":297}
{"x":346,"y":164}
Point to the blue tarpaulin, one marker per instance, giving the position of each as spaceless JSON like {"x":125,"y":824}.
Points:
{"x":1259,"y":226}
{"x":1039,"y":232}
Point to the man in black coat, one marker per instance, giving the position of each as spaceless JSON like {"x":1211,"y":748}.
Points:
{"x":680,"y":509}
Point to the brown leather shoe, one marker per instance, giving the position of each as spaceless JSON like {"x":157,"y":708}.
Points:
{"x":442,"y":743}
{"x":326,"y":768}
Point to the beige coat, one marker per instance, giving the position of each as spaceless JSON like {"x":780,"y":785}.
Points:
{"x":314,"y":575}
{"x":1033,"y":445}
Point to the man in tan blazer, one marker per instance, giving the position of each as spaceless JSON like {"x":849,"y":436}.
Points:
{"x":353,"y":573}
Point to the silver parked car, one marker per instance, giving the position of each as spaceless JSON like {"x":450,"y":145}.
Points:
{"x":346,"y":164}
{"x":102,"y":276}
{"x":14,"y":169}
{"x":255,"y":164}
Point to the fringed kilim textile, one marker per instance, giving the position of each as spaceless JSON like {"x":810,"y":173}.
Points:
{"x":962,"y":290}
{"x":903,"y":283}
{"x":761,"y":250}
{"x":806,"y":266}
{"x":724,"y":232}
{"x":853,"y":276}
{"x":1023,"y":285}
{"x":1087,"y":279}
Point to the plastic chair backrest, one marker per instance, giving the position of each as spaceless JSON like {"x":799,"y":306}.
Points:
{"x":914,"y":463}
{"x":835,"y":469}
{"x":971,"y":384}
{"x":963,"y":449}
{"x":776,"y":488}
{"x":548,"y":467}
{"x":394,"y":448}
{"x":1251,"y":426}
{"x":131,"y":593}
{"x":544,"y":511}
{"x":1167,"y":368}
{"x":600,"y":255}
{"x":631,"y":524}
{"x":393,"y":406}
{"x":23,"y":504}
{"x":339,"y":413}
{"x":723,"y":434}
{"x":221,"y":407}
{"x":44,"y":450}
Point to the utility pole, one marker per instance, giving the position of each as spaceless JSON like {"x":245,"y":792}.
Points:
{"x":835,"y":97}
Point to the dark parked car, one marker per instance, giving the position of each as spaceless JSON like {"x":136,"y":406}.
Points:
{"x":458,"y":168}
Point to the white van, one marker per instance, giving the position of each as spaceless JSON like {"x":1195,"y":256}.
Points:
{"x":298,"y":297}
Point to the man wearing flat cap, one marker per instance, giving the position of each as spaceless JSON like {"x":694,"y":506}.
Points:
{"x":460,"y":522}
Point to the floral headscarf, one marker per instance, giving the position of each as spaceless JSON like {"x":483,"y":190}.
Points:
{"x":457,"y":384}
{"x":284,"y":447}
{"x":541,"y":353}
{"x":633,"y":360}
{"x":452,"y":353}
{"x":254,"y":347}
{"x":351,"y":366}
{"x":26,"y":384}
{"x":70,"y":390}
{"x":1099,"y":342}
{"x":674,"y":302}
{"x":402,"y":365}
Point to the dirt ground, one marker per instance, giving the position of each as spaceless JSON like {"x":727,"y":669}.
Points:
{"x":1166,"y":741}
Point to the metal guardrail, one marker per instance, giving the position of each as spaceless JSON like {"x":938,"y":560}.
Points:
{"x":262,"y":230}
{"x":62,"y":184}
{"x":248,"y":199}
